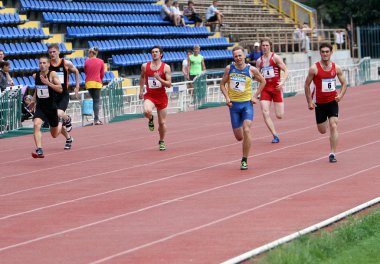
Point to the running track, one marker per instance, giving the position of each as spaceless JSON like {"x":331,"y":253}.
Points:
{"x":114,"y":198}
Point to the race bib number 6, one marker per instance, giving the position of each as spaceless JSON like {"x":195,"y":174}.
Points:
{"x":153,"y":83}
{"x":42,"y":91}
{"x":328,"y":85}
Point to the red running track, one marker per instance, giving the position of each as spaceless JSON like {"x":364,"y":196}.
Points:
{"x":115,"y":198}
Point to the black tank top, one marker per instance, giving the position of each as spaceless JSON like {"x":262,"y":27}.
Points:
{"x":46,"y":96}
{"x":63,"y":74}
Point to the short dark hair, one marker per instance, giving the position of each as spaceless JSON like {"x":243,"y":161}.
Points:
{"x":53,"y":46}
{"x":267,"y":40}
{"x":45,"y":57}
{"x":190,"y":2}
{"x":325,"y":45}
{"x":238,"y":48}
{"x":2,"y":51}
{"x":3,"y":64}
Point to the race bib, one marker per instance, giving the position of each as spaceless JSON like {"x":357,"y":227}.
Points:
{"x":42,"y":91}
{"x":61,"y":77}
{"x":268,"y":72}
{"x":328,"y":85}
{"x":237,"y":83}
{"x":153,"y":83}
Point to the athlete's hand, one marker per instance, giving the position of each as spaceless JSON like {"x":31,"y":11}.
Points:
{"x":157,"y":76}
{"x":44,"y":80}
{"x":32,"y":106}
{"x":229,"y":103}
{"x":141,"y":96}
{"x":254,"y":100}
{"x":76,"y":91}
{"x":338,"y":98}
{"x":311,"y":106}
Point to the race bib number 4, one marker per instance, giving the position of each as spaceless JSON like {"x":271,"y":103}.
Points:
{"x":268,"y":72}
{"x":42,"y":91}
{"x":328,"y":85}
{"x":153,"y":83}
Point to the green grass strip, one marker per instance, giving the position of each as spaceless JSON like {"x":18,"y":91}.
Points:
{"x":355,"y":241}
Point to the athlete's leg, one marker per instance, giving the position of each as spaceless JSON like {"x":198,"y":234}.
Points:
{"x":55,"y":131}
{"x":265,"y":105}
{"x":148,"y":108}
{"x":37,"y":123}
{"x":162,"y":123}
{"x":334,"y":135}
{"x":247,"y":139}
{"x":279,"y":109}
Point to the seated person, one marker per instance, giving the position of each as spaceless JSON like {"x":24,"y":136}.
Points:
{"x":213,"y":15}
{"x":175,"y":10}
{"x":191,"y":14}
{"x":167,"y":13}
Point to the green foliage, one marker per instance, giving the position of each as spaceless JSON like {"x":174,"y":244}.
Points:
{"x":350,"y":242}
{"x":338,"y":13}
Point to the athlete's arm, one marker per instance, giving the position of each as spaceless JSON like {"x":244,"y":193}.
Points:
{"x":55,"y":83}
{"x":32,"y":104}
{"x":203,"y":65}
{"x":280,"y":63}
{"x":72,"y":68}
{"x":168,"y":75}
{"x":255,"y":72}
{"x":142,"y":80}
{"x":343,"y":82}
{"x":312,"y":72}
{"x":258,"y":64}
{"x":223,"y":86}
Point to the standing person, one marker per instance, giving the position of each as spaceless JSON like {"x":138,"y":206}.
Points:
{"x":213,"y":15}
{"x":196,"y":63}
{"x":94,"y":69}
{"x":255,"y":54}
{"x":62,"y":67}
{"x":324,"y":98}
{"x":48,"y":86}
{"x":238,"y":93}
{"x":9,"y":78}
{"x":270,"y":65}
{"x":4,"y":72}
{"x":156,"y":75}
{"x":192,"y":14}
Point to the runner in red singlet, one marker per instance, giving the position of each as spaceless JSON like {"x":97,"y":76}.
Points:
{"x":156,"y":75}
{"x":324,"y":98}
{"x":270,"y":64}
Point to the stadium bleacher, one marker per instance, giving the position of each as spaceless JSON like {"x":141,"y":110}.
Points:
{"x":8,"y":19}
{"x":26,"y":48}
{"x":7,"y":33}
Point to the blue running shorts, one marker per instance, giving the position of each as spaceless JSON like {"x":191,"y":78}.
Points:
{"x":239,"y":112}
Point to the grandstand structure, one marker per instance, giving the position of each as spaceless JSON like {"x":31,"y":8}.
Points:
{"x":124,"y":31}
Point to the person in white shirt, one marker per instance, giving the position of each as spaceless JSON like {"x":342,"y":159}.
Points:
{"x":213,"y":14}
{"x":168,"y":15}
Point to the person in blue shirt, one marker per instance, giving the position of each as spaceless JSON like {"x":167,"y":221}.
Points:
{"x":255,"y":54}
{"x":213,"y":15}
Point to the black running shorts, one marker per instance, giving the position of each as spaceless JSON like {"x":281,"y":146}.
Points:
{"x":324,"y":111}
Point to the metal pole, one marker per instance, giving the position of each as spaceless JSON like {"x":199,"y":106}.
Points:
{"x":359,"y":42}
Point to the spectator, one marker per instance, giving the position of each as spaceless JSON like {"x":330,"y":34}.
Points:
{"x":339,"y":39}
{"x":168,"y":15}
{"x":297,"y":37}
{"x":175,"y":10}
{"x":191,"y":14}
{"x":213,"y":15}
{"x":305,"y":40}
{"x":185,"y":65}
{"x":4,"y":73}
{"x":255,"y":54}
{"x":196,"y":63}
{"x":94,"y":69}
{"x":2,"y":56}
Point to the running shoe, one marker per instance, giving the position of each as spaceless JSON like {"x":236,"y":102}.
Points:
{"x":276,"y":139}
{"x":68,"y":143}
{"x":162,"y":145}
{"x":244,"y":165}
{"x":332,"y":158}
{"x":38,"y":154}
{"x":68,"y":124}
{"x":151,"y":124}
{"x":98,"y":123}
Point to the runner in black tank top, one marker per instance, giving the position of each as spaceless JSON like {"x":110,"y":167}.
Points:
{"x":48,"y":86}
{"x":63,"y":67}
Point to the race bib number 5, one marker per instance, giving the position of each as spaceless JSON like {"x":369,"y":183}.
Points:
{"x":328,"y":85}
{"x":153,"y":83}
{"x":42,"y":91}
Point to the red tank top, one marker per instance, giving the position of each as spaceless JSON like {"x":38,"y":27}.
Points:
{"x":325,"y":85}
{"x":270,"y":72}
{"x":154,"y":86}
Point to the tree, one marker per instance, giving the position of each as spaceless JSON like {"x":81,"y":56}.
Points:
{"x":338,"y":13}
